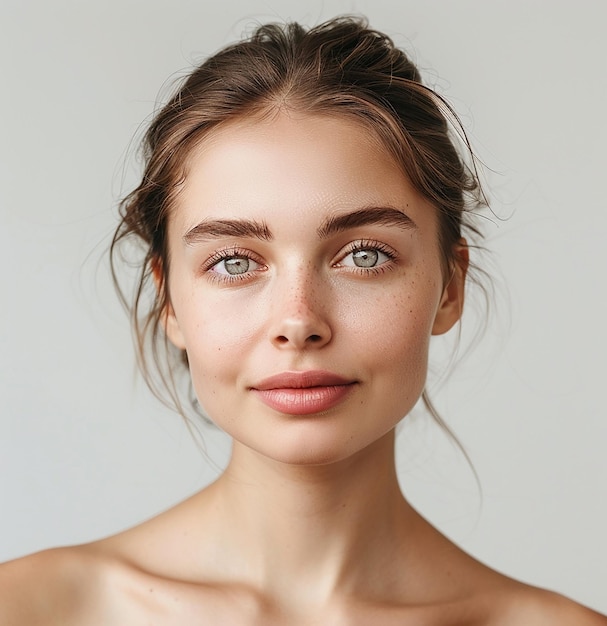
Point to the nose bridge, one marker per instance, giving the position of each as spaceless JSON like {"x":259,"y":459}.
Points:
{"x":302,"y":285}
{"x":299,"y":307}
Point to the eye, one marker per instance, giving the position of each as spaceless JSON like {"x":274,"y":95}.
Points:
{"x":234,"y":265}
{"x":367,"y":257}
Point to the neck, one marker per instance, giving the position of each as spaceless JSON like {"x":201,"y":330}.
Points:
{"x":325,"y":526}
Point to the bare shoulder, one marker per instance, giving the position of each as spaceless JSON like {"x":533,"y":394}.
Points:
{"x":482,"y":595}
{"x":537,"y":607}
{"x":60,"y":586}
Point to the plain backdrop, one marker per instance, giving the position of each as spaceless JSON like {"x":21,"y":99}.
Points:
{"x":86,"y":451}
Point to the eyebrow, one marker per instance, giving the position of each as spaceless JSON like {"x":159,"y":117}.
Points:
{"x":214,"y":229}
{"x":382,"y":216}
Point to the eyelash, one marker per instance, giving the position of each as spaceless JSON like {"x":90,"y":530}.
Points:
{"x":229,"y":253}
{"x":369,"y":244}
{"x":355,"y":246}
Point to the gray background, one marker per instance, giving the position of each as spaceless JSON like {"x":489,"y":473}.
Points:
{"x":85,"y":451}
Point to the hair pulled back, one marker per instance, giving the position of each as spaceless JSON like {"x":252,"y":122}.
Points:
{"x":340,"y":68}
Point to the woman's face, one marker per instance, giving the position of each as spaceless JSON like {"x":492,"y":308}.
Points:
{"x":305,"y":282}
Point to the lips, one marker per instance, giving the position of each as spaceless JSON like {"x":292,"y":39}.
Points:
{"x":303,"y":393}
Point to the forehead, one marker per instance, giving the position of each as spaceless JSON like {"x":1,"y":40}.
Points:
{"x":293,"y":164}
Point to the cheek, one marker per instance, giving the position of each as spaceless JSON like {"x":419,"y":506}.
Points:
{"x":395,"y":316}
{"x":217,"y":332}
{"x":405,"y":342}
{"x":392,"y":341}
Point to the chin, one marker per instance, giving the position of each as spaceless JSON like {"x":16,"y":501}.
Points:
{"x":312,"y":442}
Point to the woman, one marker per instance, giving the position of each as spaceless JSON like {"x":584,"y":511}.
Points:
{"x":302,"y":210}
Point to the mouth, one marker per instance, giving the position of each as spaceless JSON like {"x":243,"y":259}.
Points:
{"x":303,"y":393}
{"x":302,"y":380}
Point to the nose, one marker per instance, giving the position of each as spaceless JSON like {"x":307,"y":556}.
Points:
{"x":299,"y":315}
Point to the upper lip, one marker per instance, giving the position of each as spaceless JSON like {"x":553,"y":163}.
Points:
{"x":302,"y":380}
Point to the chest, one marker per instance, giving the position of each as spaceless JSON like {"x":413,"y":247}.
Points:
{"x":176,"y":604}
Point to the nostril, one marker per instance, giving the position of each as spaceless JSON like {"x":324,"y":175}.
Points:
{"x":282,"y":339}
{"x":314,"y":338}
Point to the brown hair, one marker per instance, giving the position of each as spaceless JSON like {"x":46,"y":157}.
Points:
{"x":340,"y":67}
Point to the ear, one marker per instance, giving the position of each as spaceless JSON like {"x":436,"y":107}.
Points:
{"x":167,"y":316}
{"x":171,"y":327}
{"x":452,"y":300}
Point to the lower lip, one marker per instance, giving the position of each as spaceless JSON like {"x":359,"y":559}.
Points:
{"x":304,"y":401}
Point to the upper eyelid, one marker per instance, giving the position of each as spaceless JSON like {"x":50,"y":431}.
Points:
{"x":367,"y":243}
{"x":352,"y":246}
{"x":363,"y":244}
{"x":227,"y":253}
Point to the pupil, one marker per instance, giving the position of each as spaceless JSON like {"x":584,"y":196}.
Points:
{"x":237,"y":265}
{"x":365,"y":258}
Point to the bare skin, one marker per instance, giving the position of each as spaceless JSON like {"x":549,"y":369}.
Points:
{"x":307,"y":526}
{"x":357,"y":554}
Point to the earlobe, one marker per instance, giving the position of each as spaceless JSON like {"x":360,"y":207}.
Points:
{"x":452,"y":300}
{"x":167,"y":317}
